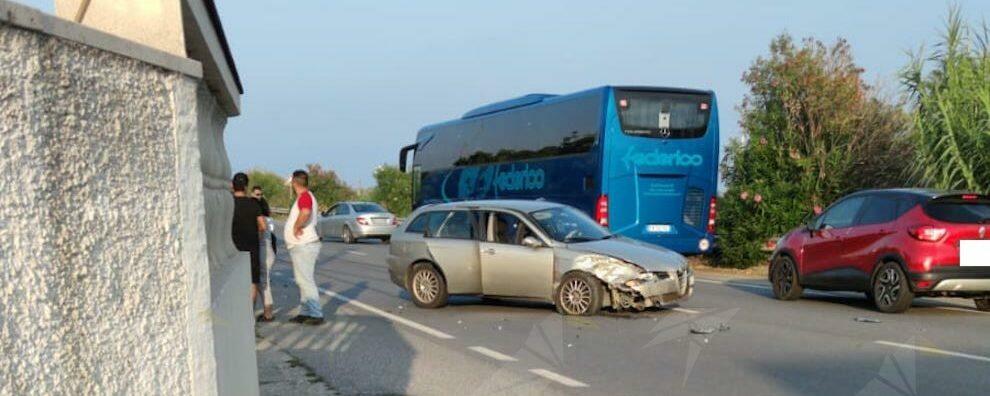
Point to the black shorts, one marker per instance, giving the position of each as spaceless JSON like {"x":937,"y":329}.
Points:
{"x":255,"y":262}
{"x":255,"y":265}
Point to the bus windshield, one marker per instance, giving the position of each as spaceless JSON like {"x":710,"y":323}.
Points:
{"x":663,"y":115}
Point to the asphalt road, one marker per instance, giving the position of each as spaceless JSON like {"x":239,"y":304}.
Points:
{"x":376,"y":341}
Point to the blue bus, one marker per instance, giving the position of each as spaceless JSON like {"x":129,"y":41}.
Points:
{"x":643,"y":161}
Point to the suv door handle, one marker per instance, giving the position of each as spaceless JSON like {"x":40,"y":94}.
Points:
{"x":489,"y":251}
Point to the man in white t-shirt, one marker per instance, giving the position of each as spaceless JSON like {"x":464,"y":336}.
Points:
{"x":304,"y":247}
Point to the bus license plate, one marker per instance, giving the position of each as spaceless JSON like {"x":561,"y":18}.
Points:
{"x":658,"y":228}
{"x":974,"y":253}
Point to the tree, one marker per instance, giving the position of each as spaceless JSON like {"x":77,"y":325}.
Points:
{"x":327,"y":187}
{"x":393,"y":189}
{"x":812,"y":132}
{"x":951,"y":109}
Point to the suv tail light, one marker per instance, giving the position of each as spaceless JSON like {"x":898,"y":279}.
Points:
{"x":711,"y":215}
{"x":362,"y":220}
{"x":601,"y":210}
{"x":927,"y":233}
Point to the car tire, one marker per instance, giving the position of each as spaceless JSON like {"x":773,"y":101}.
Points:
{"x":982,"y":304}
{"x":785,"y":279}
{"x":891,"y":290}
{"x":347,"y":235}
{"x":385,"y":239}
{"x":579,"y":294}
{"x":427,"y":287}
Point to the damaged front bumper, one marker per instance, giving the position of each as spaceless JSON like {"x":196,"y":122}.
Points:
{"x":631,"y":287}
{"x":652,"y":289}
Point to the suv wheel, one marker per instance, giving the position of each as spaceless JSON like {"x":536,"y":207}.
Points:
{"x":891,"y":291}
{"x":427,"y":287}
{"x":347,"y":235}
{"x":982,"y":304}
{"x":579,"y":294}
{"x":785,"y":279}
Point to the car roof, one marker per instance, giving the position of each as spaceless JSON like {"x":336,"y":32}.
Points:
{"x":924,"y":193}
{"x":509,"y":204}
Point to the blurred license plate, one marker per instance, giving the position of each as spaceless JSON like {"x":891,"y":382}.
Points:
{"x":658,"y":228}
{"x":974,"y":253}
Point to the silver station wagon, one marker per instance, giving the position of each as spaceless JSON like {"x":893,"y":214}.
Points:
{"x":534,"y":250}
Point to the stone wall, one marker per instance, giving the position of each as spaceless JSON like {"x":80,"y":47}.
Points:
{"x":118,"y":275}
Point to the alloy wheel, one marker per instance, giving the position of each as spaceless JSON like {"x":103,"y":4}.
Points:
{"x":426,"y":286}
{"x":575,"y":296}
{"x":784,"y":276}
{"x":888,"y":286}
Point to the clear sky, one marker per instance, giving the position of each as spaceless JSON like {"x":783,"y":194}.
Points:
{"x":347,"y":83}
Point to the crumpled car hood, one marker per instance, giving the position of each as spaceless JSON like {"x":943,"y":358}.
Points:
{"x":650,"y":257}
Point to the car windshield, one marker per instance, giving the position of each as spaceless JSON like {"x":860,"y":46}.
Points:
{"x":367,"y":208}
{"x":568,"y":225}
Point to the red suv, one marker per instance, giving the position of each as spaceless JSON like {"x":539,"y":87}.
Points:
{"x":893,"y":245}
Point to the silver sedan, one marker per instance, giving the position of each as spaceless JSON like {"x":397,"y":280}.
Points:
{"x":351,"y":221}
{"x":534,"y":250}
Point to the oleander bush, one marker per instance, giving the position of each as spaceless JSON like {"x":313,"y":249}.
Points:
{"x":812,"y":131}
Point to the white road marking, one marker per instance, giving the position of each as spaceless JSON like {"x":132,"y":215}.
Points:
{"x":967,"y":310}
{"x":493,"y":354}
{"x":398,"y":319}
{"x":355,"y":252}
{"x":685,"y":310}
{"x":560,"y":379}
{"x":935,"y":351}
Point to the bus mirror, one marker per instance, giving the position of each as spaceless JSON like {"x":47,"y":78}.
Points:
{"x":403,"y":153}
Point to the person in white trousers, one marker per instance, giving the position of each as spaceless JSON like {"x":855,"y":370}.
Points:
{"x":304,"y":247}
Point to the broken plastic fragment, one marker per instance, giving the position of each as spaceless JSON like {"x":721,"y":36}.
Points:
{"x":867,"y":320}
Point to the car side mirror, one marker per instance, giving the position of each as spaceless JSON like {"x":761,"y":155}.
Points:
{"x":532,"y":242}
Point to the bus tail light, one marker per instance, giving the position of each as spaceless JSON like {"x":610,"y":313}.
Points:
{"x":711,"y":215}
{"x":601,"y":210}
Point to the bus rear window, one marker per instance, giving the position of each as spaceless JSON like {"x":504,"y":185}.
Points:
{"x":663,"y":115}
{"x":959,"y":211}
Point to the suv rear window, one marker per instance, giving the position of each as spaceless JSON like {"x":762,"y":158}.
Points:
{"x":955,"y":210}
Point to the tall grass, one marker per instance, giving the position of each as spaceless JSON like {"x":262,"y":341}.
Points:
{"x":950,"y":95}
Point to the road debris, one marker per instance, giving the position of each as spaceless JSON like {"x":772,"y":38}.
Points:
{"x":708,"y":329}
{"x":862,"y":319}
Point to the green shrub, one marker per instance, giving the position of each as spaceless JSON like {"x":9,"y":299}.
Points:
{"x":393,"y":188}
{"x":812,"y":132}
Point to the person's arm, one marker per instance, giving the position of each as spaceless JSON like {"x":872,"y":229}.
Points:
{"x":260,"y":219}
{"x":305,"y":211}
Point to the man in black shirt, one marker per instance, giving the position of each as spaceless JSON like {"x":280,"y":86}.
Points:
{"x":247,"y":228}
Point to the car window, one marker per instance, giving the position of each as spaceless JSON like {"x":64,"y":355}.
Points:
{"x":343,"y":210}
{"x":434,"y":222}
{"x":368,"y":208}
{"x":459,"y":225}
{"x":959,"y":211}
{"x":878,"y":209}
{"x":508,"y":229}
{"x":418,"y":225}
{"x":330,"y":212}
{"x":843,"y":214}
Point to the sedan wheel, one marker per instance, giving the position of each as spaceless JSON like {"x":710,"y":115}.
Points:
{"x":785,"y":279}
{"x":891,"y":291}
{"x":427,"y":287}
{"x":347,"y":235}
{"x":579,"y":294}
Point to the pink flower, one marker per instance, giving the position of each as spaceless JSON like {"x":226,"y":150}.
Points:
{"x":744,"y":196}
{"x":763,"y":141}
{"x":817,"y":209}
{"x":757,"y":198}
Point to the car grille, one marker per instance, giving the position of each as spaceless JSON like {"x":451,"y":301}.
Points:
{"x":694,"y":206}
